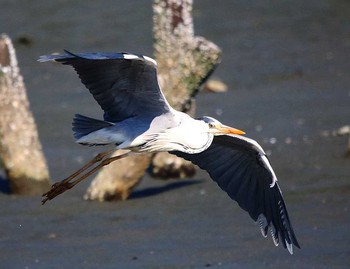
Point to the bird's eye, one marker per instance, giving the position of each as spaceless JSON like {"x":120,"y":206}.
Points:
{"x":211,"y":125}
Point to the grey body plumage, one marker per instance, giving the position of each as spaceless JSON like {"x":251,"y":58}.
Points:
{"x":138,"y":117}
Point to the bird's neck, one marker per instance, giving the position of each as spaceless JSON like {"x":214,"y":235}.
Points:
{"x":192,"y":134}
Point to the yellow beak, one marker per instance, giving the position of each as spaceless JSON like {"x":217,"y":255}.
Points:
{"x":229,"y":130}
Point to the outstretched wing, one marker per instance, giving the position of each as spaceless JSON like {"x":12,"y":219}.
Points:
{"x":124,"y":85}
{"x":240,"y":167}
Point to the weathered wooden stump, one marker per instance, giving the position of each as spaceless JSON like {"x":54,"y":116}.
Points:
{"x":20,"y":149}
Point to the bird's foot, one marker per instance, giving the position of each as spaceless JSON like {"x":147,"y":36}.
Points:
{"x":73,"y":179}
{"x":56,"y":189}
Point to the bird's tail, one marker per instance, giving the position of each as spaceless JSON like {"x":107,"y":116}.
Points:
{"x":83,"y":125}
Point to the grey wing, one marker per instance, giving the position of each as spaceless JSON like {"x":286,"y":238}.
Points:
{"x":240,"y":167}
{"x":124,"y":85}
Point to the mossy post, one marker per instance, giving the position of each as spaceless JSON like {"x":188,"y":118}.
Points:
{"x":184,"y":63}
{"x":20,"y":149}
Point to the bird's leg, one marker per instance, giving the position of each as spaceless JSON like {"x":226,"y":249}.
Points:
{"x":69,"y":183}
{"x":99,"y":166}
{"x":98,"y":158}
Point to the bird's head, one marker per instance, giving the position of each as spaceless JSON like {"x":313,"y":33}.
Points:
{"x":217,"y":128}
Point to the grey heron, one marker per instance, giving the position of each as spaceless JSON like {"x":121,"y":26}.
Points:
{"x":138,"y":118}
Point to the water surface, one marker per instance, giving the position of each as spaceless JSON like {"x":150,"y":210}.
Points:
{"x":286,"y":64}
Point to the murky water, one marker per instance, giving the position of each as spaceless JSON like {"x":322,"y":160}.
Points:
{"x":287,"y":67}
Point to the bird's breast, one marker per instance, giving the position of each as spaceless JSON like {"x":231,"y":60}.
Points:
{"x":190,"y":138}
{"x":174,"y":132}
{"x":174,"y":141}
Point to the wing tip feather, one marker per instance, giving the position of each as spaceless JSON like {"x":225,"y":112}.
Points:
{"x":97,"y":56}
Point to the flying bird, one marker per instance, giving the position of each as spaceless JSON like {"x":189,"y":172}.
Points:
{"x":138,"y":118}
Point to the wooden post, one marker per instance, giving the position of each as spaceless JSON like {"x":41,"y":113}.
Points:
{"x":20,"y":149}
{"x":184,"y":62}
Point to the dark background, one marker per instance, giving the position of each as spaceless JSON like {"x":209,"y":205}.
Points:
{"x":286,"y":64}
